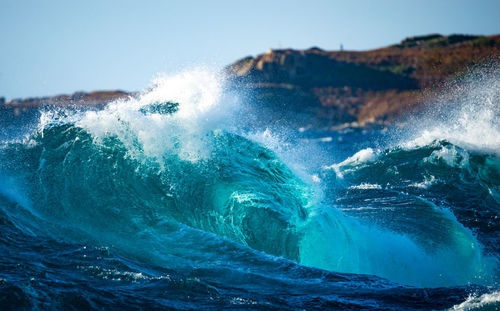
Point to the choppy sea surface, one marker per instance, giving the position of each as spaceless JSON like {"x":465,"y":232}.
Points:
{"x":179,"y":198}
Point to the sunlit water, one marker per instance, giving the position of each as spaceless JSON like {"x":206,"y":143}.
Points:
{"x":175,"y":198}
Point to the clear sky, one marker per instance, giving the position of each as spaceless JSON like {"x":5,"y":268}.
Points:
{"x":51,"y":47}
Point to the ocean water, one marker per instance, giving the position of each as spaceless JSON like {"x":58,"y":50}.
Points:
{"x":179,"y":198}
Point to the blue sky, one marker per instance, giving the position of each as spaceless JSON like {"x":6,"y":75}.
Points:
{"x":51,"y":47}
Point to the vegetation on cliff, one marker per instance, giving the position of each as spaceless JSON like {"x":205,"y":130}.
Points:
{"x":362,"y":86}
{"x":325,"y":89}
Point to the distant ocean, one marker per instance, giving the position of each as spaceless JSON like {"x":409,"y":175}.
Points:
{"x":177,"y":199}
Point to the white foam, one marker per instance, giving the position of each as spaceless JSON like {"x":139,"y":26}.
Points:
{"x":474,"y":302}
{"x":363,"y":156}
{"x":198,"y":93}
{"x":451,"y":156}
{"x":466,"y":113}
{"x":428,"y":181}
{"x":366,"y":186}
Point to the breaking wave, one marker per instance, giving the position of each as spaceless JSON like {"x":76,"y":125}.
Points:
{"x":172,"y":177}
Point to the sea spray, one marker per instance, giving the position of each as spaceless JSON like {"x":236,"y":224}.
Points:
{"x":183,"y":166}
{"x":465,"y":112}
{"x":174,"y":190}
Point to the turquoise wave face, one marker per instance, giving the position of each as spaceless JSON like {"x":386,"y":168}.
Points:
{"x":173,"y":198}
{"x":171,"y":178}
{"x":440,"y":196}
{"x":242,"y":192}
{"x":78,"y":187}
{"x":440,"y":177}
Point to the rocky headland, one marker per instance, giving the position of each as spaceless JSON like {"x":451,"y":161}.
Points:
{"x":360,"y":88}
{"x":332,"y":89}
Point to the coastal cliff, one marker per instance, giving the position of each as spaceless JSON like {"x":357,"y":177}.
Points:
{"x":322,"y":89}
{"x":361,"y":87}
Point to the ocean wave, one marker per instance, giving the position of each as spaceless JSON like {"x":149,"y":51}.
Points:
{"x":146,"y":178}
